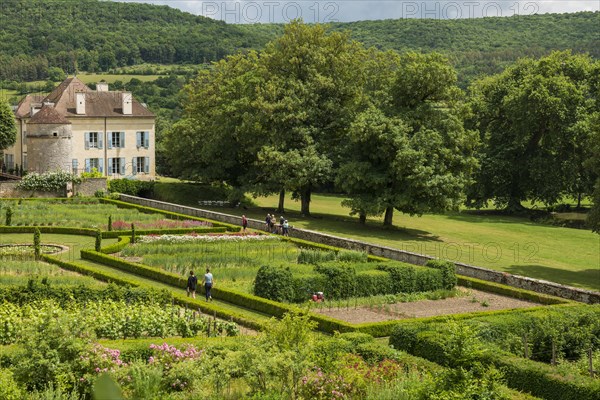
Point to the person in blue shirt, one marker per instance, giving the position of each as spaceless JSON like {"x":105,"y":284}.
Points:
{"x":208,"y":282}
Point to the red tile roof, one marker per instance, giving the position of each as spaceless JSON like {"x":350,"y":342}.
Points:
{"x":48,"y":115}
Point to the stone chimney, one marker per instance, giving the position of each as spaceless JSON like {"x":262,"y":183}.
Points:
{"x":80,"y":103}
{"x":127,"y":101}
{"x":101,"y":87}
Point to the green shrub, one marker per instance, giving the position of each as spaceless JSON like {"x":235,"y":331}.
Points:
{"x":448,"y":270}
{"x":340,"y":280}
{"x":307,"y":256}
{"x":274,"y":283}
{"x":37,"y":247}
{"x":8,"y":219}
{"x":48,"y":181}
{"x":9,"y":389}
{"x":132,"y":187}
{"x":352,"y":256}
{"x":98,"y":243}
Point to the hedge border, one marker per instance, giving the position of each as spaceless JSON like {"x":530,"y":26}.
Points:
{"x":174,"y":231}
{"x":251,"y":302}
{"x":124,"y":204}
{"x":534,"y":377}
{"x":466,"y":281}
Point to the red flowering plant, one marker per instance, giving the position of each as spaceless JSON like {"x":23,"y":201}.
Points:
{"x":98,"y":359}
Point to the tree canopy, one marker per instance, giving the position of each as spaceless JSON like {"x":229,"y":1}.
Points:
{"x":8,"y":129}
{"x":534,"y":121}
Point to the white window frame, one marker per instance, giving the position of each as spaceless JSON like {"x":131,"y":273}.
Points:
{"x":116,"y":138}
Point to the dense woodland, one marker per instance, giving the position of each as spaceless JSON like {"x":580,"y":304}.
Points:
{"x":92,"y":35}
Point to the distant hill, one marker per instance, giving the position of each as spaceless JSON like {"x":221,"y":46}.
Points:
{"x":92,"y":35}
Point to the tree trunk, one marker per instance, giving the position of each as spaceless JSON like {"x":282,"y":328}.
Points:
{"x":389,"y":215}
{"x":281,"y":201}
{"x":362,"y":218}
{"x":578,"y":201}
{"x":514,"y":205}
{"x":305,"y":202}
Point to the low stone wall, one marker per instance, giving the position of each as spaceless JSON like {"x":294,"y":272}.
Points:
{"x":536,"y":285}
{"x":89,"y":186}
{"x":8,"y":189}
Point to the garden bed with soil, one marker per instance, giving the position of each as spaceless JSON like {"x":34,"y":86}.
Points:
{"x":473,"y":301}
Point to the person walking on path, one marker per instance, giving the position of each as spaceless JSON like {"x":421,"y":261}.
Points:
{"x":208,"y":282}
{"x":244,"y":223}
{"x":192,"y":282}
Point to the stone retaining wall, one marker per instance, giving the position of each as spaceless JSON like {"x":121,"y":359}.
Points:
{"x":536,"y":285}
{"x":89,"y":186}
{"x":8,"y":189}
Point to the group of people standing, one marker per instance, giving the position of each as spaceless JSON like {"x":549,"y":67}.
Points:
{"x":283,"y":228}
{"x":207,"y":282}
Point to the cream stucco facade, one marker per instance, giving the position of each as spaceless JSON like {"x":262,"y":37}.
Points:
{"x":101,"y":131}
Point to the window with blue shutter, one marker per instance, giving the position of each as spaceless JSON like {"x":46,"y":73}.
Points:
{"x":110,"y":166}
{"x":139,"y":139}
{"x":101,"y":165}
{"x":122,"y":136}
{"x":147,"y":165}
{"x":122,"y":165}
{"x":135,"y":165}
{"x":100,"y":136}
{"x":87,"y":165}
{"x":75,"y":164}
{"x":146,"y":139}
{"x":87,"y":140}
{"x":109,"y":141}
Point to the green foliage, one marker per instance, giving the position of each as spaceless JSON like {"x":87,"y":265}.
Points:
{"x":132,"y":240}
{"x":109,"y":225}
{"x":131,"y":187}
{"x":98,"y":243}
{"x":8,"y":129}
{"x":9,"y":389}
{"x":340,"y":280}
{"x":8,"y":216}
{"x":536,"y":149}
{"x":314,"y":257}
{"x":48,"y":181}
{"x":37,"y":249}
{"x":274,"y":283}
{"x":448,"y":270}
{"x":94,"y":173}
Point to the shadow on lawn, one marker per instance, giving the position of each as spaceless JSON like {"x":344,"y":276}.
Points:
{"x":588,"y":278}
{"x":342,"y":226}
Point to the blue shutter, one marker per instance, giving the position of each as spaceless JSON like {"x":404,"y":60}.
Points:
{"x":147,"y":165}
{"x":146,"y":139}
{"x":138,"y":139}
{"x":122,"y":162}
{"x":87,"y":165}
{"x":109,"y":141}
{"x":134,"y":162}
{"x":122,"y":139}
{"x":87,"y":140}
{"x":110,"y":166}
{"x":100,"y":136}
{"x":101,"y":165}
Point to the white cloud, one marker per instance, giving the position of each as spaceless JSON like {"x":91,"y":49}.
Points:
{"x":249,"y":11}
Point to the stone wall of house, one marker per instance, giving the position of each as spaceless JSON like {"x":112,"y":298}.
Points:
{"x":536,"y":285}
{"x":8,"y":189}
{"x":89,"y":186}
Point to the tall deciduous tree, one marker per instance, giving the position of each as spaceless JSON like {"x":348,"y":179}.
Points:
{"x":408,"y":150}
{"x":532,"y":121}
{"x":8,"y":129}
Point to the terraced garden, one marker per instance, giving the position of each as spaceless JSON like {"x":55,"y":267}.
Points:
{"x":123,"y":286}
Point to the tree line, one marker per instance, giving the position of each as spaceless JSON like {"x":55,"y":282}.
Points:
{"x":391,"y":131}
{"x":95,"y":36}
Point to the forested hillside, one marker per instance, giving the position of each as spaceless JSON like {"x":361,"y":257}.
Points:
{"x":92,"y":35}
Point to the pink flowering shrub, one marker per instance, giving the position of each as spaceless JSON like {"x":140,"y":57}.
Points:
{"x":97,"y":360}
{"x":352,"y":378}
{"x":166,"y":355}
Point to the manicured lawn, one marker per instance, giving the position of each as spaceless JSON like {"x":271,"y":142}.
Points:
{"x":75,"y":242}
{"x":504,"y":243}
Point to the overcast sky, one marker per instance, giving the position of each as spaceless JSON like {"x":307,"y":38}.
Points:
{"x":250,"y":11}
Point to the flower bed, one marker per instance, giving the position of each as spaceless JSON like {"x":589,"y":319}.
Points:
{"x":233,"y":237}
{"x":160,"y":224}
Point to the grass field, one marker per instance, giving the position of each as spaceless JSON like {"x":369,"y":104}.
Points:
{"x":110,"y":78}
{"x":511,"y":244}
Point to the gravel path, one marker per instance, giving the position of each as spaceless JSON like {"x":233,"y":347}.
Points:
{"x":474,"y":300}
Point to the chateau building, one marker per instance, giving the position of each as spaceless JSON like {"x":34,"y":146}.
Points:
{"x":77,"y":129}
